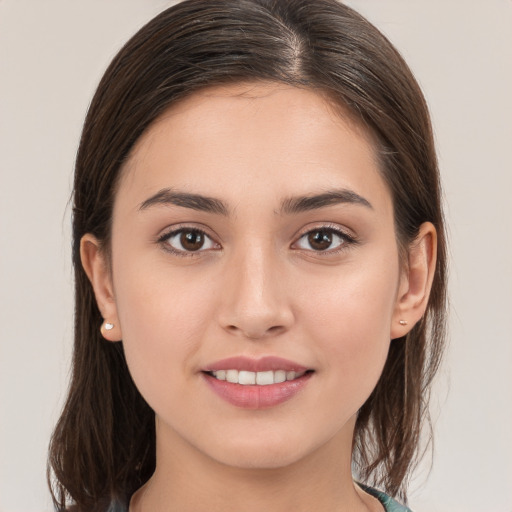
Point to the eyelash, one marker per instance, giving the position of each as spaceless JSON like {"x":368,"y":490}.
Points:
{"x":346,"y":240}
{"x":164,"y":241}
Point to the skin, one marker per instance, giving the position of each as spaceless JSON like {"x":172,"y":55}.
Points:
{"x":256,"y":288}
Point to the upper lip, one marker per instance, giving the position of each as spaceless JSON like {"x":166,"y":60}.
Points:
{"x":263,"y":364}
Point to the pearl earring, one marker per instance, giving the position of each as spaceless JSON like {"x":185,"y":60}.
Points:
{"x":108,"y":326}
{"x":402,"y":322}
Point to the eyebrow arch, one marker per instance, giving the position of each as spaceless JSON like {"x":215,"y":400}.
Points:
{"x":329,"y":198}
{"x":168,"y":196}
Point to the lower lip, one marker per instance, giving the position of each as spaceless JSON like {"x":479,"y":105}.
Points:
{"x":257,"y":397}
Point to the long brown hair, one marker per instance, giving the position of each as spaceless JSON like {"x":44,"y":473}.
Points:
{"x":103,"y":447}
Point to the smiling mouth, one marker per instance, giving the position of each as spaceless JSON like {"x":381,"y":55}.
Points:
{"x":266,"y":378}
{"x":250,"y":383}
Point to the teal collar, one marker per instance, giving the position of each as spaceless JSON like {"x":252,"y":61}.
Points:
{"x":389,"y":504}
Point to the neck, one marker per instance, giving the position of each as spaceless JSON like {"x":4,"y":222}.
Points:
{"x":187,"y":480}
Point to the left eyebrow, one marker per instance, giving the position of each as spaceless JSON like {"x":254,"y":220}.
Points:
{"x":332,"y":197}
{"x":199,"y":202}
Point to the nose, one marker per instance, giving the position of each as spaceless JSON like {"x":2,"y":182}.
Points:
{"x":254,"y":301}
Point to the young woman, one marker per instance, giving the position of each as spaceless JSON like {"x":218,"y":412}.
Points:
{"x":260,"y":268}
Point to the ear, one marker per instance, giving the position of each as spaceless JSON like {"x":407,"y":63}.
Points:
{"x":415,"y":282}
{"x":96,"y":266}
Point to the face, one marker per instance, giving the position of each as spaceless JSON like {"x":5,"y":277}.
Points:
{"x":253,"y":241}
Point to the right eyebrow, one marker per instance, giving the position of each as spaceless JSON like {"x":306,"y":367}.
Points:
{"x":167,"y":196}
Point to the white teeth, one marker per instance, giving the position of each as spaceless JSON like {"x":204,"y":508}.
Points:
{"x":290,"y":375}
{"x":232,"y":376}
{"x":246,"y":378}
{"x":280,"y":376}
{"x":260,"y":378}
{"x":265,"y":378}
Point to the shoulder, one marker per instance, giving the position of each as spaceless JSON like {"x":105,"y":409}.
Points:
{"x":390,"y":505}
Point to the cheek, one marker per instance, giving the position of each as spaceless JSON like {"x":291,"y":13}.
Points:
{"x":163,"y":318}
{"x":351,"y":326}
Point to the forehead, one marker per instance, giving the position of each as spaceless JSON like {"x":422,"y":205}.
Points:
{"x":273,"y":105}
{"x":268,"y":138}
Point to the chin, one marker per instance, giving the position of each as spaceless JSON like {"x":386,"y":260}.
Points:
{"x":261,"y":452}
{"x":261,"y":459}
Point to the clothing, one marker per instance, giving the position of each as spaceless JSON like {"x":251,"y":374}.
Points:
{"x":389,"y":504}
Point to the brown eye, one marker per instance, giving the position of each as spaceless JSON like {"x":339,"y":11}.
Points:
{"x":188,"y":240}
{"x":323,"y":240}
{"x":320,"y":240}
{"x":192,"y":240}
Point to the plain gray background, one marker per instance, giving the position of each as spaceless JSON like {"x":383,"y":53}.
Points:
{"x":52,"y":54}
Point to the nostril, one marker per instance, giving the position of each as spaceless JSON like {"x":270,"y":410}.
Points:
{"x":255,"y":334}
{"x":271,"y":331}
{"x":275,"y":329}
